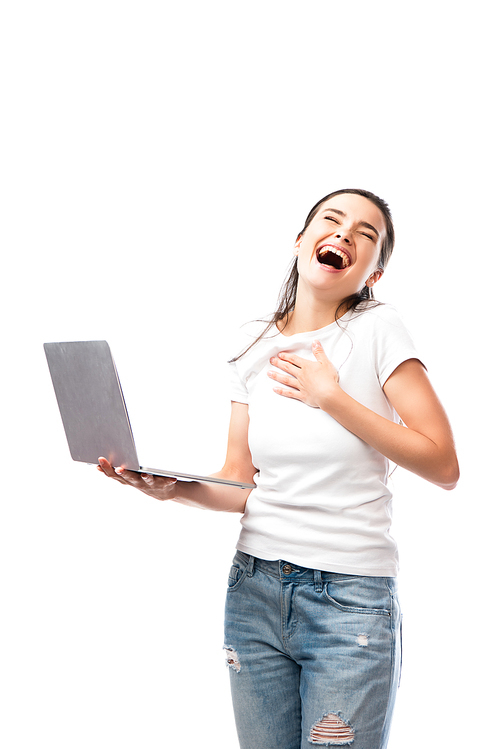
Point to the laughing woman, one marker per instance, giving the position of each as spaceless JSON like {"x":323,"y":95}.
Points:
{"x":324,"y":397}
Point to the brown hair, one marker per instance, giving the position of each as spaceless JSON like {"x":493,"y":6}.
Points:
{"x":361,"y":300}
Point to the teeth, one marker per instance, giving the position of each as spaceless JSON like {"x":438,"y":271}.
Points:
{"x":335,"y":251}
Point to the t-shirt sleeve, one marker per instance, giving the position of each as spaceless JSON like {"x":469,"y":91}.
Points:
{"x":237,"y":388}
{"x":394,"y":344}
{"x":238,"y":374}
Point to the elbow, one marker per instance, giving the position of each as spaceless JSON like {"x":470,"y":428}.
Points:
{"x":450,"y":476}
{"x":237,"y":472}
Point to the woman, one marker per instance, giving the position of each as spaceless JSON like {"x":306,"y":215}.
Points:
{"x":323,"y":399}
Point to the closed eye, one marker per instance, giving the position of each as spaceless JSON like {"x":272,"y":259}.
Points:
{"x":332,"y":218}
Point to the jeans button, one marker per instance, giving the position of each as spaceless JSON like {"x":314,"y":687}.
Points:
{"x":287,"y":569}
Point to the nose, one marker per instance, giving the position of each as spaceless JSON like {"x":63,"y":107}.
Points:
{"x":344,"y":236}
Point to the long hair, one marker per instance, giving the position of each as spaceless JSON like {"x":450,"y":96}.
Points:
{"x":361,"y":300}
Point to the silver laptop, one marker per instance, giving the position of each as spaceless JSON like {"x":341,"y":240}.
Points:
{"x":93,"y":410}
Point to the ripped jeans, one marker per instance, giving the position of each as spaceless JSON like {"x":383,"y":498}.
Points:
{"x":314,"y":657}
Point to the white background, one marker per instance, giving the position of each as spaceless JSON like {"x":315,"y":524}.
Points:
{"x":158,"y":160}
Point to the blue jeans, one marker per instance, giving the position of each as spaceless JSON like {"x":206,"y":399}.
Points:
{"x":314,"y":657}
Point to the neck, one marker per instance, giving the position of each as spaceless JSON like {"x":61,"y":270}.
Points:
{"x":311,"y":313}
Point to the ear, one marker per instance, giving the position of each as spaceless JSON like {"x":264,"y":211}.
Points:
{"x":375,"y":276}
{"x":297,"y":245}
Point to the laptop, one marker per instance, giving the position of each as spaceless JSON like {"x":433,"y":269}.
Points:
{"x":93,"y":410}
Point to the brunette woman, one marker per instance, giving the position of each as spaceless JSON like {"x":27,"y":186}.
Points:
{"x":325,"y":397}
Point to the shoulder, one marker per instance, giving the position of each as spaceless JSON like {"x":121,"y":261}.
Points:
{"x":248,"y":335}
{"x":388,"y":338}
{"x":378,"y":320}
{"x":378,"y":311}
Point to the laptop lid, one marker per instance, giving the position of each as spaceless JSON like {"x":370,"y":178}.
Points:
{"x":93,"y":410}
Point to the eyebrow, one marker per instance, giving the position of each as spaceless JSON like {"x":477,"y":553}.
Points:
{"x":360,"y":223}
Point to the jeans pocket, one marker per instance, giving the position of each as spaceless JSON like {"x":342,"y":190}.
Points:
{"x":360,"y":595}
{"x":238,"y":571}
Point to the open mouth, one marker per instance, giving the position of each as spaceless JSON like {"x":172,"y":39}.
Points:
{"x":333,"y":256}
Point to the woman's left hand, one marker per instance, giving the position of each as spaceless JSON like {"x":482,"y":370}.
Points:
{"x":311,"y":382}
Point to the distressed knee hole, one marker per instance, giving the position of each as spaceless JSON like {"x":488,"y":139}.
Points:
{"x":363,"y":641}
{"x":232,"y":659}
{"x":331,"y":729}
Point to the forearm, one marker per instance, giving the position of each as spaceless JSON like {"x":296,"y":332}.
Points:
{"x":211,"y":496}
{"x":405,"y":447}
{"x":207,"y":496}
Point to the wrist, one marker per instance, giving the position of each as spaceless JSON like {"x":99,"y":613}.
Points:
{"x":330,"y":397}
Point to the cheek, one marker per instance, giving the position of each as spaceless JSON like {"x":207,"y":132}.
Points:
{"x":371,"y":260}
{"x":304,"y":256}
{"x":378,"y":253}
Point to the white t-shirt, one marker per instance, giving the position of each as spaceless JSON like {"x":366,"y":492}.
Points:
{"x":321,"y":498}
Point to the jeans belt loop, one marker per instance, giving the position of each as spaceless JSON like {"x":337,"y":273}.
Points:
{"x":251,"y":562}
{"x":318,"y":582}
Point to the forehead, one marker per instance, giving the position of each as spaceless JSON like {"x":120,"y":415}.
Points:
{"x":356,"y":208}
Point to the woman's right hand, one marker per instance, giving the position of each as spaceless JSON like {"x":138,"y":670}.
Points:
{"x":159,"y":487}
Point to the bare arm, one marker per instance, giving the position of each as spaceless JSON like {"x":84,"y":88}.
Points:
{"x":424,"y":446}
{"x":238,"y":467}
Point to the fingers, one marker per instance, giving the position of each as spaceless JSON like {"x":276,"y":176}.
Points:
{"x":318,"y":351}
{"x":119,"y":474}
{"x":283,"y":358}
{"x":304,"y":379}
{"x":284,"y":379}
{"x":287,"y":362}
{"x":295,"y":361}
{"x":156,"y":482}
{"x":160,"y":487}
{"x":106,"y":468}
{"x":289,"y":393}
